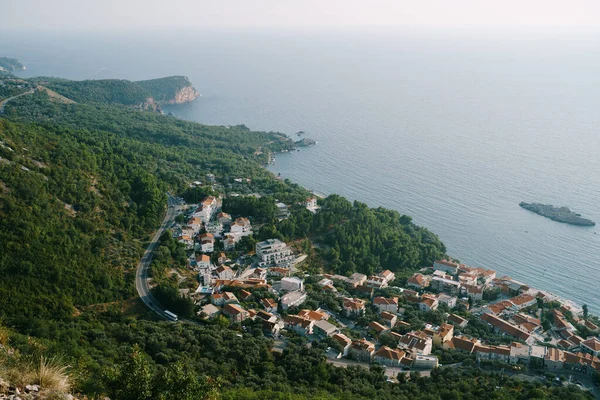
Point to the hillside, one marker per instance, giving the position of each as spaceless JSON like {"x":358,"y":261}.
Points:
{"x":8,"y":65}
{"x":143,"y":94}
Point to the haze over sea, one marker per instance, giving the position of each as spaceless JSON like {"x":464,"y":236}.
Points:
{"x":452,"y":128}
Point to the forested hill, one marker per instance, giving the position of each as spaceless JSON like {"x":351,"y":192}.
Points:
{"x":174,"y":89}
{"x":80,"y":184}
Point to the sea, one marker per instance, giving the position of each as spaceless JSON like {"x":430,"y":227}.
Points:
{"x":453,"y":128}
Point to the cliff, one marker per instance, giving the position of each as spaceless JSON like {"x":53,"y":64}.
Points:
{"x":184,"y":95}
{"x":170,"y":90}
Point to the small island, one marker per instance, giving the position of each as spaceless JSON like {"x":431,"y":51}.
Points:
{"x":559,"y":214}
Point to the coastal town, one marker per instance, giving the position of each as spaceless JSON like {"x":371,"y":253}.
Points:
{"x":445,"y":314}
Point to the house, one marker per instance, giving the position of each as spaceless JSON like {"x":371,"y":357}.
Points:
{"x":388,"y":356}
{"x":389,"y":304}
{"x":282,"y":211}
{"x":224,"y":218}
{"x":224,"y":272}
{"x":418,"y":281}
{"x":428,"y":303}
{"x":214,"y":228}
{"x":449,"y":301}
{"x":591,"y":326}
{"x":314,"y":315}
{"x":591,"y":346}
{"x":527,"y":323}
{"x":376,"y":282}
{"x":274,"y":252}
{"x":361,"y":350}
{"x":245,"y":295}
{"x":203,"y":262}
{"x":457,"y":320}
{"x":425,"y":362}
{"x":301,"y":326}
{"x":344,"y":342}
{"x":229,"y":298}
{"x":241,"y":227}
{"x":222,"y":258}
{"x":367,"y":291}
{"x":353,"y":281}
{"x":209,"y":311}
{"x":278,"y":272}
{"x":497,"y":308}
{"x":218,"y":299}
{"x":444,"y":334}
{"x":290,"y":284}
{"x":467,"y":279}
{"x":207,"y":242}
{"x":474,"y":292}
{"x":498,"y":353}
{"x":554,"y":359}
{"x":195,"y":224}
{"x":389,"y":318}
{"x":387,"y":275}
{"x":377,"y":327}
{"x":292,"y":299}
{"x":417,"y":342}
{"x":324,"y":328}
{"x":269,"y":304}
{"x":272,"y":328}
{"x":265,"y":315}
{"x":445,"y":285}
{"x":462,"y":343}
{"x":229,"y":242}
{"x":353,"y":306}
{"x":506,"y":327}
{"x":235,"y":312}
{"x":522,"y":301}
{"x":206,"y":209}
{"x":311,"y":204}
{"x":450,"y":267}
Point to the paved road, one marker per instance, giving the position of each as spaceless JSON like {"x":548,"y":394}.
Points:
{"x":4,"y":102}
{"x":141,"y":274}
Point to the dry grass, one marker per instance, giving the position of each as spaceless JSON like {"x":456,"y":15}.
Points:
{"x":52,"y":374}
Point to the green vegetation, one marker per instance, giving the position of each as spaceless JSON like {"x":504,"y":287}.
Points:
{"x":8,"y":65}
{"x":81,"y":188}
{"x":165,"y":89}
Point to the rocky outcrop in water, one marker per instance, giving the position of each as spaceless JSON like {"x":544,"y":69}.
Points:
{"x":559,"y":214}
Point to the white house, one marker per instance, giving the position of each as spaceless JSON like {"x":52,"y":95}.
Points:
{"x":224,"y":272}
{"x":203,"y":262}
{"x":207,"y":243}
{"x":386,"y":304}
{"x":311,"y":204}
{"x":450,"y":267}
{"x":274,"y":252}
{"x":292,"y":299}
{"x":292,"y":283}
{"x":215,"y":228}
{"x":241,"y":227}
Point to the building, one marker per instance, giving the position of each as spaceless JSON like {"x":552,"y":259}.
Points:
{"x":206,"y":209}
{"x":462,"y":343}
{"x":389,"y":318}
{"x":214,"y":228}
{"x":428,"y":303}
{"x":506,"y":327}
{"x":324,"y":328}
{"x":361,"y":350}
{"x":235,"y":312}
{"x":229,"y":298}
{"x":425,"y":362}
{"x":445,"y":285}
{"x":207,"y":243}
{"x":229,"y":242}
{"x":377,"y":327}
{"x":522,"y":301}
{"x":224,"y":272}
{"x":386,"y":304}
{"x":474,"y":292}
{"x":292,"y":299}
{"x":292,"y":283}
{"x":209,"y":311}
{"x":353,"y":306}
{"x":241,"y":227}
{"x":278,"y":272}
{"x":301,"y":326}
{"x":388,"y":275}
{"x":376,"y":282}
{"x":224,"y":218}
{"x":418,"y":281}
{"x":221,"y":259}
{"x":314,"y":315}
{"x":388,"y":356}
{"x":282,"y":211}
{"x":444,"y":334}
{"x":311,"y":204}
{"x":449,"y":301}
{"x":344,"y":342}
{"x":416,"y":343}
{"x":203,"y":262}
{"x":591,"y":346}
{"x":554,"y":359}
{"x":492,"y":353}
{"x":274,"y":252}
{"x":269,"y":304}
{"x":457,"y":320}
{"x":450,"y":267}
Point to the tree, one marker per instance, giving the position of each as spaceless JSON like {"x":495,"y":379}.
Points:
{"x":585,"y":311}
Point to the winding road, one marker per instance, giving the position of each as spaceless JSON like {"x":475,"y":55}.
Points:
{"x":141,"y":274}
{"x":3,"y":102}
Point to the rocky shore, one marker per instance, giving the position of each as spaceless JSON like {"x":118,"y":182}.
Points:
{"x":559,"y":214}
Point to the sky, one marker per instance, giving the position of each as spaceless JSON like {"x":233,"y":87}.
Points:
{"x":65,"y":15}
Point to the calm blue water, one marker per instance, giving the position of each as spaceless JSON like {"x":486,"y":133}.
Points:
{"x":453,"y":129}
